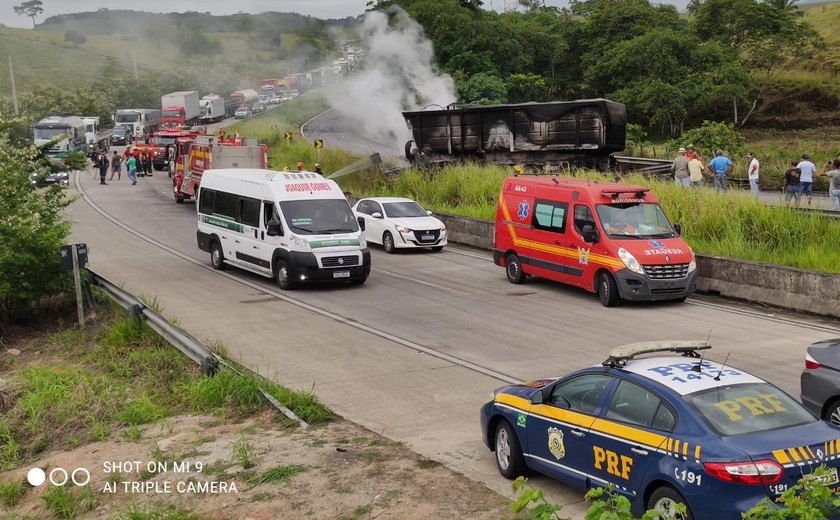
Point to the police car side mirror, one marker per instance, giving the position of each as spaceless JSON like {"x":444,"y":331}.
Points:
{"x":361,"y":222}
{"x":589,"y":234}
{"x":537,"y":398}
{"x":678,"y":228}
{"x":376,"y":214}
{"x":274,"y":229}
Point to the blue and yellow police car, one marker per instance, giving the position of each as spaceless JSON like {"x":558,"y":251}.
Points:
{"x":663,"y":430}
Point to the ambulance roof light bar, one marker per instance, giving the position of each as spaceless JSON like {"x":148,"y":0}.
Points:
{"x":688,"y":348}
{"x":613,"y":193}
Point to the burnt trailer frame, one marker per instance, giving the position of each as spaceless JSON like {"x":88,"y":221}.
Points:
{"x":583,"y":132}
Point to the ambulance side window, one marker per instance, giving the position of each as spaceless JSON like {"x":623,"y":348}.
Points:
{"x":249,"y":212}
{"x":550,"y":216}
{"x":207,"y":201}
{"x":583,"y":217}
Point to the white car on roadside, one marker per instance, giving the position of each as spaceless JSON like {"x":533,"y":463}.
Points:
{"x":398,"y":223}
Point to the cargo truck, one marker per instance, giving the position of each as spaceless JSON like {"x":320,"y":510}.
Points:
{"x":96,"y":138}
{"x":246,"y":97}
{"x":66,"y":130}
{"x":142,"y":121}
{"x":212,"y":109}
{"x":179,"y":109}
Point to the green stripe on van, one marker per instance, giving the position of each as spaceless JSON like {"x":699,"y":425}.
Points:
{"x":314,"y":244}
{"x":222,"y":223}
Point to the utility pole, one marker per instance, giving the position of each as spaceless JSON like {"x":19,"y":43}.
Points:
{"x":247,"y":74}
{"x":134,"y":59}
{"x":14,"y":92}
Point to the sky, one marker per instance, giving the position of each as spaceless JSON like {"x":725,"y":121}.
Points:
{"x":316,"y":8}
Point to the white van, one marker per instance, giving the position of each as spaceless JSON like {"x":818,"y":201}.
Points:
{"x":293,"y":226}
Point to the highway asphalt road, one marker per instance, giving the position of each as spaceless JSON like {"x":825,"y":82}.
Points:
{"x":413,"y":353}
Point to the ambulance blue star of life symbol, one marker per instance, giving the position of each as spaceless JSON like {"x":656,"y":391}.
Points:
{"x":656,"y":244}
{"x":523,"y":210}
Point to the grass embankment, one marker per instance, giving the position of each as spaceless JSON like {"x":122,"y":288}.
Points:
{"x":271,"y":125}
{"x":730,"y":224}
{"x":105,"y":382}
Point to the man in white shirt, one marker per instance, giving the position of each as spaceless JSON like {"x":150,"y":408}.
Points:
{"x":752,"y":173}
{"x":806,"y":177}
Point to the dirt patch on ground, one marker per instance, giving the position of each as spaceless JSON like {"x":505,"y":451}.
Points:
{"x":339,"y":470}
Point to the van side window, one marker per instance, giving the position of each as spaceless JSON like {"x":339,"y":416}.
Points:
{"x":227,"y":204}
{"x":249,"y":212}
{"x":207,"y":202}
{"x":583,"y":217}
{"x":550,"y":216}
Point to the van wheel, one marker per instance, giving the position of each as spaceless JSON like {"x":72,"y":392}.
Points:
{"x":509,"y":457}
{"x":217,"y":258}
{"x":607,"y":290}
{"x":388,"y":243}
{"x":664,"y":501}
{"x":513,"y":269}
{"x":282,"y":275}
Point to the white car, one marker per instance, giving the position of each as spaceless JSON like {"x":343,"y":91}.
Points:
{"x":242,"y":113}
{"x":397,"y":223}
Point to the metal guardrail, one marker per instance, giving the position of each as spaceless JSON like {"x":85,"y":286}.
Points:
{"x":177,"y":337}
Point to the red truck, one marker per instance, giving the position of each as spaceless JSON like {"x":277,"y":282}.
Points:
{"x":179,"y":109}
{"x":195,"y":154}
{"x":162,"y":143}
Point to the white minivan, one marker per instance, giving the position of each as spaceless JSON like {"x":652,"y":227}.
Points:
{"x":293,"y":226}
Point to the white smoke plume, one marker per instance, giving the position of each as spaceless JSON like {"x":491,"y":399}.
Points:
{"x":398,"y":73}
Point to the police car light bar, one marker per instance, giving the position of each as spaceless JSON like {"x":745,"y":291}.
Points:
{"x":621,"y":355}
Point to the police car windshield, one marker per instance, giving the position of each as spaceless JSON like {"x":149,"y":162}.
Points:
{"x":403,"y":209}
{"x":634,"y":220}
{"x":319,"y":217}
{"x":748,"y":408}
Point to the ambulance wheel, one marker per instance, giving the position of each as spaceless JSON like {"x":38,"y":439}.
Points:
{"x":509,"y":457}
{"x":282,"y":275}
{"x":664,"y":501}
{"x":607,"y":290}
{"x":513,"y":269}
{"x":388,"y":243}
{"x":217,"y":258}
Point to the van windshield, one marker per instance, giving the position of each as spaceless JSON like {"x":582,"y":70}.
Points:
{"x":319,"y":217}
{"x":635,"y":220}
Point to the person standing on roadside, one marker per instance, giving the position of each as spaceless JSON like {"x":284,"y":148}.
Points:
{"x":695,"y":170}
{"x":116,"y":166}
{"x":792,"y":187}
{"x":131,"y":166}
{"x":147,"y":164}
{"x":752,"y":173}
{"x":102,"y":163}
{"x":806,"y":176}
{"x":690,"y":153}
{"x":721,"y":165}
{"x":318,"y":169}
{"x":834,"y":183}
{"x":680,"y":169}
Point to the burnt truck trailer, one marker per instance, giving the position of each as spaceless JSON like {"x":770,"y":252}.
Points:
{"x":583,"y":132}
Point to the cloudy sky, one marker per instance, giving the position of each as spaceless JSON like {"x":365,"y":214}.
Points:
{"x":316,"y":8}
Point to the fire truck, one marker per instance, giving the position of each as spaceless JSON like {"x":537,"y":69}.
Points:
{"x":162,"y":144}
{"x":195,"y":154}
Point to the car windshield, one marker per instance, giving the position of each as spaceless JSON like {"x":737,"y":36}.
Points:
{"x":635,"y":220}
{"x":127,"y":118}
{"x":319,"y":217}
{"x":748,"y":408}
{"x":403,"y":209}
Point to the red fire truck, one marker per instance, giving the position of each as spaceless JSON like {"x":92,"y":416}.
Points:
{"x":163,"y":143}
{"x":195,"y":154}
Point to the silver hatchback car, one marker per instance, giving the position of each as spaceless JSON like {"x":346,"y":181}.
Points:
{"x":820,"y":380}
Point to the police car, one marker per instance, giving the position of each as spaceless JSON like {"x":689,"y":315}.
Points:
{"x":663,"y":430}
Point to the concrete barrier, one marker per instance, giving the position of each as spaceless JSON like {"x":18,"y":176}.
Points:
{"x":779,"y":286}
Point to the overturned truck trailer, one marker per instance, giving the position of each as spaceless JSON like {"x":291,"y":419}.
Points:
{"x":583,"y":132}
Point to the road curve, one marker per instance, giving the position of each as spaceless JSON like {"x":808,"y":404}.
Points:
{"x":414,"y":352}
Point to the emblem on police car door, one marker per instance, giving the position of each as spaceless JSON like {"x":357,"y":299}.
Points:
{"x":555,"y":443}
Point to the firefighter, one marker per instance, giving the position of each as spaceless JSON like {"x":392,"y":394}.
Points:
{"x":318,"y":168}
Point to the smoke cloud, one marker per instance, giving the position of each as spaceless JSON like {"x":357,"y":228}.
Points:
{"x":397,"y":73}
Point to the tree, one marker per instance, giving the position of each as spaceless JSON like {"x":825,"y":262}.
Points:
{"x":32,"y":230}
{"x":74,"y":37}
{"x":788,"y":6}
{"x":192,"y":42}
{"x":157,"y":30}
{"x":30,"y":8}
{"x":483,"y":89}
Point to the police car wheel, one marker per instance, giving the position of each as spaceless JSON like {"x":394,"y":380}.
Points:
{"x":388,"y":243}
{"x":607,"y":290}
{"x":509,"y":458}
{"x":513,"y":269}
{"x":217,"y":258}
{"x":664,"y":501}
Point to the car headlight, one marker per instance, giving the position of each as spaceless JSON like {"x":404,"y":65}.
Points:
{"x":362,"y":241}
{"x":403,"y":229}
{"x":62,"y":175}
{"x":300,"y":243}
{"x":630,"y":261}
{"x":692,"y":266}
{"x":443,"y":227}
